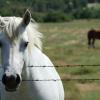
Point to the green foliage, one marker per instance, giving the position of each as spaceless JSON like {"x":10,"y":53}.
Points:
{"x":56,"y":17}
{"x":50,"y":10}
{"x":39,"y":17}
{"x":96,"y":13}
{"x":42,"y":10}
{"x":84,"y":13}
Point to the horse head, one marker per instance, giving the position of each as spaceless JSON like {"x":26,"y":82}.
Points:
{"x":14,"y":42}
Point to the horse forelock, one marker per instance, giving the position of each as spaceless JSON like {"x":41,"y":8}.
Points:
{"x":9,"y":26}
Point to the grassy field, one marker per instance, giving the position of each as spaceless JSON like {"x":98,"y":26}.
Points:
{"x":66,"y":43}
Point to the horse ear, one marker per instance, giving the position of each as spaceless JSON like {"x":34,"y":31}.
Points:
{"x":26,"y":18}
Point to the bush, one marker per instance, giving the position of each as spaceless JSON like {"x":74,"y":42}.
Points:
{"x":86,"y":13}
{"x":39,"y":17}
{"x":57,"y":17}
{"x":96,"y":13}
{"x":82,"y":13}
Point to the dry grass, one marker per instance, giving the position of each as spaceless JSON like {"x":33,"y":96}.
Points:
{"x":88,"y":87}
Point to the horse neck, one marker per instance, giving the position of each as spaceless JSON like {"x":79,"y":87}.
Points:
{"x":33,"y":60}
{"x":34,"y":55}
{"x":34,"y":70}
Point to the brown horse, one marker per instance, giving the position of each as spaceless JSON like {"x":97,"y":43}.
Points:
{"x":92,"y":35}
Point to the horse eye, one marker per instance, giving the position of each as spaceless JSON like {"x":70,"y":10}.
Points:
{"x":25,"y":44}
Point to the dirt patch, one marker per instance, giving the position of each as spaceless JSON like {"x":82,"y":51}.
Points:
{"x":88,"y":87}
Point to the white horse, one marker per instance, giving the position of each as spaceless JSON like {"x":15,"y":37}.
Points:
{"x":23,"y":59}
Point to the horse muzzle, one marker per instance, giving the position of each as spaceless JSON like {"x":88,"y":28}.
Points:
{"x":11,"y":82}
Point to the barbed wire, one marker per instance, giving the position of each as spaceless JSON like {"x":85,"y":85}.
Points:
{"x":67,"y":65}
{"x":65,"y":79}
{"x":69,"y":79}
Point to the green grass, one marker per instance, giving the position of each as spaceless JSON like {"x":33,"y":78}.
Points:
{"x":72,"y":91}
{"x":93,"y":95}
{"x":66,"y":43}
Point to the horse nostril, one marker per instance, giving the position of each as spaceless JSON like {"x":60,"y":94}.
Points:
{"x":4,"y":79}
{"x":18,"y":79}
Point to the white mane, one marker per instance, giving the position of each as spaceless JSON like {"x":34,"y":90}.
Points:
{"x":9,"y":25}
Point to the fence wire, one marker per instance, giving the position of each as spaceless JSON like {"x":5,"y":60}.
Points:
{"x":68,"y":65}
{"x":65,"y":79}
{"x":69,"y":79}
